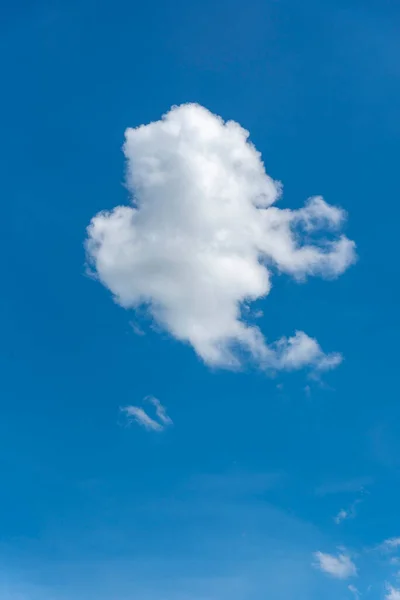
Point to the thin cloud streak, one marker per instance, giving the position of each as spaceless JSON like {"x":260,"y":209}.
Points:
{"x":140,"y":416}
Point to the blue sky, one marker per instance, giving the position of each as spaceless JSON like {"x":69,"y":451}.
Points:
{"x":240,"y":484}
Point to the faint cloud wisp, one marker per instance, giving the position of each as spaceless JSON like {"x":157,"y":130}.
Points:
{"x":139,"y":415}
{"x":340,"y":566}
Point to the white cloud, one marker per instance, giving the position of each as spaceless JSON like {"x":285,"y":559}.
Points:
{"x":392,"y":593}
{"x":348,"y":513}
{"x":202,"y":238}
{"x":340,"y":566}
{"x":354,"y":591}
{"x":391,"y":544}
{"x":142,"y":418}
{"x":160,"y":410}
{"x":341,"y":516}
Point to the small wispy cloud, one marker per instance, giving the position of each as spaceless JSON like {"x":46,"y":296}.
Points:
{"x":137,"y":330}
{"x":356,"y":593}
{"x":348,"y":513}
{"x":390,"y":545}
{"x":138,"y":414}
{"x":142,"y":418}
{"x":341,"y":516}
{"x":340,"y":566}
{"x":160,"y":410}
{"x":392,"y":593}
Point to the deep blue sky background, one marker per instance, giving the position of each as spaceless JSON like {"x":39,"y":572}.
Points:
{"x":90,"y":508}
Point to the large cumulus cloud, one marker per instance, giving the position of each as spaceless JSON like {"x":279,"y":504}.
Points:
{"x":202,"y":237}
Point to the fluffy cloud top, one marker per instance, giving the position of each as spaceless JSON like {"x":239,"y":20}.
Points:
{"x":341,"y":566}
{"x":203,"y":237}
